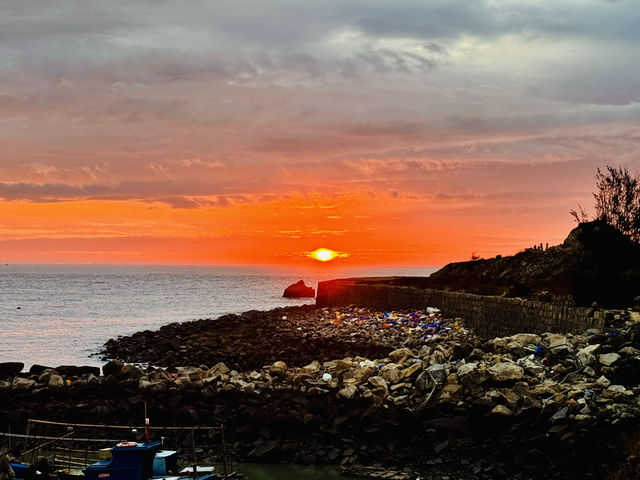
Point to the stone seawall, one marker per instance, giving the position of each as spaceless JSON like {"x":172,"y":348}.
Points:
{"x":487,"y":315}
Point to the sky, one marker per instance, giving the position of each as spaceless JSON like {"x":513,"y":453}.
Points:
{"x":252,"y":132}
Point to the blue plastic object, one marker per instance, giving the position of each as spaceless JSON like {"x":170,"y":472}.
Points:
{"x":128,"y":462}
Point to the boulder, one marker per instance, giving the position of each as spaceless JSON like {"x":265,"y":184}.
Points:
{"x":114,"y":367}
{"x":20,"y":383}
{"x":218,"y":370}
{"x":505,"y":372}
{"x":56,"y":381}
{"x":586,"y":355}
{"x":38,"y":369}
{"x":348,"y":392}
{"x":10,"y":369}
{"x":608,"y":359}
{"x":525,"y":339}
{"x":470,"y":374}
{"x":378,"y":382}
{"x":299,"y":290}
{"x":400,"y":355}
{"x":501,"y":410}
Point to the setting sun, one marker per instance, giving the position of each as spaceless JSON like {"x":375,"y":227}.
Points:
{"x":324,"y":254}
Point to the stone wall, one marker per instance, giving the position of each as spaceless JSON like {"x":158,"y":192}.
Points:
{"x":488,"y":315}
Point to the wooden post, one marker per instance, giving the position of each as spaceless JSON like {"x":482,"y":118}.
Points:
{"x":224,"y":452}
{"x":193,"y":453}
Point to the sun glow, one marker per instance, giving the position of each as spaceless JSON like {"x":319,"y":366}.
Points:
{"x":325,"y":254}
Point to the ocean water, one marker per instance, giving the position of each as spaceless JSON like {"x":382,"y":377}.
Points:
{"x":62,"y":314}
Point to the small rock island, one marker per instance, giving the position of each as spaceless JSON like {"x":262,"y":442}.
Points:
{"x":299,"y":290}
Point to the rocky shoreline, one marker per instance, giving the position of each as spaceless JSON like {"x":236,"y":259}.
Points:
{"x":347,"y":385}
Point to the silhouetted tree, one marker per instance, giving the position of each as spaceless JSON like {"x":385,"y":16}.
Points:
{"x":618,"y":200}
{"x":580,"y":215}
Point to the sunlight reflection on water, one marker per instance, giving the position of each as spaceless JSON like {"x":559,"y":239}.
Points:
{"x":58,"y":314}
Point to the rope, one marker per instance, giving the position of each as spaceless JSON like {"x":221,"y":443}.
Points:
{"x":44,"y":437}
{"x":84,"y":425}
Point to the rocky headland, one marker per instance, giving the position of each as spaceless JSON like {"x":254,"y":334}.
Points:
{"x":595,"y":263}
{"x":348,"y":385}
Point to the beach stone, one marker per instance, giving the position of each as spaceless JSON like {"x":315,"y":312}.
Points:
{"x":278,"y":367}
{"x":608,"y":359}
{"x":194,"y":373}
{"x":10,"y":369}
{"x":311,"y":368}
{"x":586,"y":355}
{"x":400,"y":355}
{"x":218,"y":370}
{"x":525,"y":339}
{"x":132,"y":372}
{"x":501,"y":411}
{"x":603,"y":381}
{"x":410,"y":371}
{"x":471,"y":374}
{"x":156,"y":386}
{"x":348,"y":392}
{"x":378,"y":382}
{"x":20,"y":383}
{"x":558,"y":344}
{"x":183,"y":381}
{"x":343,"y":365}
{"x":629,"y":351}
{"x":450,"y":394}
{"x":56,"y":381}
{"x":300,"y":378}
{"x":504,"y":372}
{"x":390,"y":372}
{"x":114,"y":367}
{"x":362,"y":374}
{"x":38,"y":369}
{"x":560,"y":415}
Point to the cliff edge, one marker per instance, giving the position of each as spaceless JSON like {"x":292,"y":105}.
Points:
{"x":595,"y":263}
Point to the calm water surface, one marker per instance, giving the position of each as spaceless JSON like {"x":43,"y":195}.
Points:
{"x":59,"y":315}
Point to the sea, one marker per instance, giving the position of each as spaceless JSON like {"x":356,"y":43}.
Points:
{"x":56,"y":315}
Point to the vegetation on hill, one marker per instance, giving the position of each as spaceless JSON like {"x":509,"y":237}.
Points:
{"x":596,"y":262}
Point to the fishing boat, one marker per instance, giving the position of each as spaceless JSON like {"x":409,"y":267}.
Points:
{"x":126,"y":460}
{"x":143,"y":461}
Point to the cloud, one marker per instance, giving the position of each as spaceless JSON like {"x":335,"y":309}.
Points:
{"x":202,"y":102}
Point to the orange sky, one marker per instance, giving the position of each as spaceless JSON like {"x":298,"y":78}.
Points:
{"x":235,"y":133}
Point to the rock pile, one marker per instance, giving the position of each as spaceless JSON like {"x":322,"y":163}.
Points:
{"x":415,"y":389}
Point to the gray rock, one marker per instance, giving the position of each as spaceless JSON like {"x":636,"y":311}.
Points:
{"x":20,"y":383}
{"x":471,"y":374}
{"x":561,"y":414}
{"x":504,"y":372}
{"x":56,"y":381}
{"x":608,"y":359}
{"x":218,"y":370}
{"x":378,"y":382}
{"x":348,"y":392}
{"x":525,"y":339}
{"x":501,"y":410}
{"x":10,"y":369}
{"x":400,"y":355}
{"x":586,"y":355}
